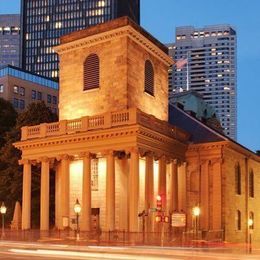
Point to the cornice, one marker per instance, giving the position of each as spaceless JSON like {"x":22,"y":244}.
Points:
{"x":206,"y":146}
{"x":116,"y":33}
{"x":77,"y":137}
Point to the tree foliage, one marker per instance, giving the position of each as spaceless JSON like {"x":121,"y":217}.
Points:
{"x":7,"y":118}
{"x":10,"y":171}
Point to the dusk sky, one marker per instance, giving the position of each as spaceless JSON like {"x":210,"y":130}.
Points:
{"x":161,"y":17}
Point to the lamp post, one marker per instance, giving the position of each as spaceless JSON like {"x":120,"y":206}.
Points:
{"x":250,"y":226}
{"x":196,"y":214}
{"x":3,"y":211}
{"x":77,"y":210}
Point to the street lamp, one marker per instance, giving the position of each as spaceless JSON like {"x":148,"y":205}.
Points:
{"x":3,"y":211}
{"x":250,"y":226}
{"x":196,"y":214}
{"x":77,"y":210}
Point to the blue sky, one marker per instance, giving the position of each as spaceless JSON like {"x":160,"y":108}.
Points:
{"x":161,"y":20}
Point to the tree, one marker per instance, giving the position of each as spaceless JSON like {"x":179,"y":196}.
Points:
{"x":8,"y":117}
{"x":10,"y":170}
{"x":258,"y":152}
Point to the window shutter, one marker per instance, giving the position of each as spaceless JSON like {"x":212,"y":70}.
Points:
{"x":149,"y":78}
{"x":91,"y":72}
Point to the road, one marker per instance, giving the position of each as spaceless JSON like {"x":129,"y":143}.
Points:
{"x":39,"y":251}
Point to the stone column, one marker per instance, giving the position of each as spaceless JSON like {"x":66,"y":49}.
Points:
{"x":58,"y":214}
{"x":173,"y":200}
{"x":149,"y":189}
{"x":26,"y":206}
{"x":45,"y":194}
{"x":216,"y":194}
{"x":65,"y":186}
{"x":133,"y":183}
{"x":162,"y":181}
{"x":204,"y":195}
{"x":110,"y":192}
{"x":149,"y":183}
{"x":182,"y":187}
{"x":86,"y":193}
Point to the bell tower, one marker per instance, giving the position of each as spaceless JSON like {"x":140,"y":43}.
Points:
{"x":110,"y":67}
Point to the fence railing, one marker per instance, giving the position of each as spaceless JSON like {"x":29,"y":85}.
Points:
{"x":112,"y":237}
{"x":111,"y":119}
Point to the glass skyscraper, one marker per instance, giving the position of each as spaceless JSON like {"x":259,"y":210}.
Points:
{"x":9,"y":39}
{"x":45,"y":21}
{"x":210,"y":70}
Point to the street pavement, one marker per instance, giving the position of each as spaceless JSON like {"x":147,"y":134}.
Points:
{"x":21,"y":250}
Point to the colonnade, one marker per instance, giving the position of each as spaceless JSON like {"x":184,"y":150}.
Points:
{"x":176,"y":192}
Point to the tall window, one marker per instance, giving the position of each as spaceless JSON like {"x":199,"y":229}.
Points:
{"x":251,"y":184}
{"x":251,"y":219}
{"x":238,"y":179}
{"x":91,"y":72}
{"x":238,"y":220}
{"x":149,"y":78}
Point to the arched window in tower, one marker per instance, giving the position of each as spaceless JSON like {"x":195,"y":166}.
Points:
{"x":238,"y":179}
{"x":251,"y":184}
{"x":149,"y":78}
{"x":91,"y":72}
{"x":238,"y":220}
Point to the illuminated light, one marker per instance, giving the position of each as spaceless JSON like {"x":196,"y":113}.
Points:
{"x":220,"y":75}
{"x":58,"y":25}
{"x":196,"y":211}
{"x":101,"y":3}
{"x":158,"y":198}
{"x":158,"y":219}
{"x":250,"y":222}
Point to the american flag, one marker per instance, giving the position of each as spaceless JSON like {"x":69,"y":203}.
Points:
{"x":181,"y":63}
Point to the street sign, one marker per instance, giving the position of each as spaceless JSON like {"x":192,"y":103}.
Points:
{"x":178,"y":220}
{"x":152,"y":209}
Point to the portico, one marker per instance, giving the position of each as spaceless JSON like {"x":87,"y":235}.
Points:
{"x":124,"y":187}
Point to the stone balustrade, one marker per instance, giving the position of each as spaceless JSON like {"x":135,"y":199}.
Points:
{"x":111,"y":119}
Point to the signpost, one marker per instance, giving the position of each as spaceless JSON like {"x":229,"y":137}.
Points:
{"x":178,"y":220}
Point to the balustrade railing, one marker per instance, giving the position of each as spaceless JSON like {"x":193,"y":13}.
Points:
{"x":126,"y":117}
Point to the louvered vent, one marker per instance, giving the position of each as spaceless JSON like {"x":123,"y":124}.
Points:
{"x":91,"y":72}
{"x":149,"y":78}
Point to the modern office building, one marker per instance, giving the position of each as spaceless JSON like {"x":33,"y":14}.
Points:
{"x":9,"y":39}
{"x":210,"y":70}
{"x":22,"y":87}
{"x":44,"y":22}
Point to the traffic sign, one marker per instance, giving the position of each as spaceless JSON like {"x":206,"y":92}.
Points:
{"x":178,"y":220}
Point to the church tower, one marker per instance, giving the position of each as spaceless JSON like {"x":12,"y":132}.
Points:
{"x":111,"y":67}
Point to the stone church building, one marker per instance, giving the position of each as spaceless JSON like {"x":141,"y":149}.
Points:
{"x":117,"y":144}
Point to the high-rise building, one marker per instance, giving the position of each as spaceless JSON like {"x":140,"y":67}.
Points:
{"x":44,"y":22}
{"x":210,"y":70}
{"x":9,"y":39}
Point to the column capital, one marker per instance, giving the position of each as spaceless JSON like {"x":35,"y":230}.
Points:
{"x":24,"y":161}
{"x":64,"y":157}
{"x":43,"y":159}
{"x":216,"y":160}
{"x":108,"y":152}
{"x":132,"y":150}
{"x":85,"y":155}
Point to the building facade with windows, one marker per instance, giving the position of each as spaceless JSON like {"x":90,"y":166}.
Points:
{"x":9,"y":39}
{"x":118,"y":145}
{"x":211,"y":69}
{"x":22,"y":88}
{"x":44,"y":22}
